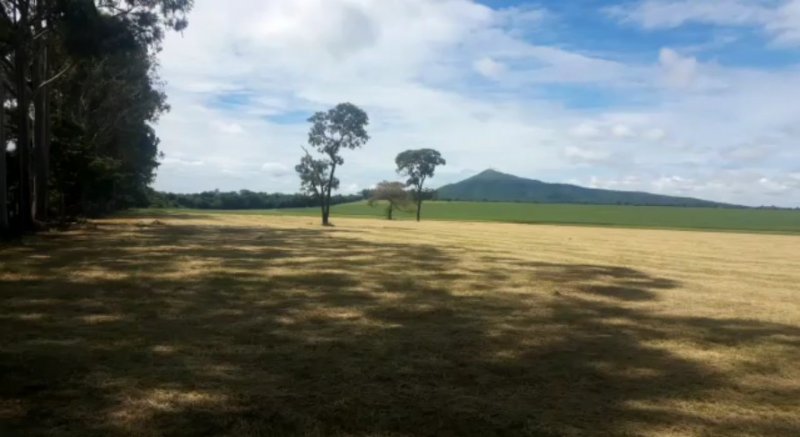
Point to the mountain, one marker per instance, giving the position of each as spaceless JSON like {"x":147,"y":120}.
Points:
{"x":494,"y":186}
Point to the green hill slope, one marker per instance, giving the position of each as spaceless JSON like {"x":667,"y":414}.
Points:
{"x":495,"y":186}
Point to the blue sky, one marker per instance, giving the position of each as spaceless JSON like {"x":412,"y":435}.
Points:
{"x":684,"y":97}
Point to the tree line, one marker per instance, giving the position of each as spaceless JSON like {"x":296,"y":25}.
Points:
{"x":244,"y":199}
{"x":79,"y":92}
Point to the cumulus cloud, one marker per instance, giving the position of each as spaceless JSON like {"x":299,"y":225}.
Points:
{"x":618,"y":128}
{"x":748,"y":153}
{"x":490,"y":68}
{"x":773,"y":186}
{"x":622,"y":131}
{"x":679,"y":71}
{"x":626,"y":183}
{"x":351,"y":188}
{"x":666,"y":14}
{"x":229,"y":128}
{"x":655,"y":134}
{"x":588,"y":131}
{"x":779,"y":19}
{"x":581,"y":155}
{"x":732,"y":186}
{"x":276,"y":169}
{"x":170,"y":161}
{"x":243,"y":78}
{"x":674,"y":184}
{"x":785,"y":25}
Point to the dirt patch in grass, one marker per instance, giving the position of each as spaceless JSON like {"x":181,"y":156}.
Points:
{"x":231,"y":325}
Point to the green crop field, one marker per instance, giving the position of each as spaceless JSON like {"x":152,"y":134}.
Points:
{"x":749,"y":220}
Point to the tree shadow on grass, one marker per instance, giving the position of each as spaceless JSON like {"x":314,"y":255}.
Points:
{"x":203,"y":330}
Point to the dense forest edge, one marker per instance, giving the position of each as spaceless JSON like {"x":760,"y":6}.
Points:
{"x":80,"y":94}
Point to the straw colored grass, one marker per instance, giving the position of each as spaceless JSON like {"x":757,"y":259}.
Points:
{"x":253,"y":325}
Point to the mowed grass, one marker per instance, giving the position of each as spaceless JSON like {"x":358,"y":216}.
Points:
{"x":266,"y":325}
{"x":748,"y":220}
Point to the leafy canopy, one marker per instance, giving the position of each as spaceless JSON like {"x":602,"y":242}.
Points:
{"x":341,"y":127}
{"x":392,"y":192}
{"x":418,"y":165}
{"x":315,"y":177}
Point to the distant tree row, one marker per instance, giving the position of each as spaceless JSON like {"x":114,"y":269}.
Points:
{"x":243,"y":199}
{"x":344,"y":127}
{"x":78,"y":96}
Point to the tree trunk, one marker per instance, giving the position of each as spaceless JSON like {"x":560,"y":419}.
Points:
{"x":23,"y":124}
{"x":327,"y":202}
{"x":40,"y":135}
{"x":3,"y":169}
{"x":419,"y":204}
{"x":326,"y":212}
{"x":323,"y":210}
{"x":389,"y":211}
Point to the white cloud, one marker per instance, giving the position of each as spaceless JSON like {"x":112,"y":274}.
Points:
{"x":785,"y":26}
{"x":627,"y":183}
{"x":351,"y":188}
{"x":773,"y":186}
{"x":666,"y":14}
{"x":748,"y":153}
{"x":673,"y":184}
{"x":780,"y":19}
{"x":732,"y":186}
{"x":490,"y":68}
{"x":679,"y":71}
{"x":622,"y":131}
{"x":521,"y":18}
{"x":618,"y":128}
{"x":276,"y":169}
{"x":243,"y":79}
{"x":580,"y":155}
{"x":588,"y":131}
{"x":181,"y":162}
{"x":655,"y":135}
{"x":229,"y":128}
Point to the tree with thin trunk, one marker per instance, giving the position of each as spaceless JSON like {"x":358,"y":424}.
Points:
{"x":3,"y":150}
{"x":315,"y":179}
{"x":342,"y":127}
{"x":418,"y":166}
{"x":393,"y":193}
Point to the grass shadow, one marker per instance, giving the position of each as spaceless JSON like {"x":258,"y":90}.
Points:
{"x":206,"y":330}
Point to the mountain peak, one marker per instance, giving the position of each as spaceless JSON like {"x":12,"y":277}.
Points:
{"x":494,"y":185}
{"x":491,"y":173}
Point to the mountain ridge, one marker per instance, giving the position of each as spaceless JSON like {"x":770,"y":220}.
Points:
{"x":495,"y":186}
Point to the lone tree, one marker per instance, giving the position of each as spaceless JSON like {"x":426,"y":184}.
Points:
{"x":394,"y":193}
{"x":342,"y":127}
{"x":417,"y":166}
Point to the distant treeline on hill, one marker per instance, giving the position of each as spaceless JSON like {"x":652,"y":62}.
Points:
{"x":242,"y":199}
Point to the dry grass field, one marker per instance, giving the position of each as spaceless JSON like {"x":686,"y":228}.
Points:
{"x":257,"y":325}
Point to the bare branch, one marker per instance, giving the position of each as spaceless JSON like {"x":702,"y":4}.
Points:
{"x":55,"y":77}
